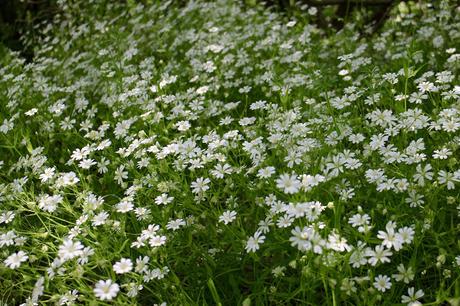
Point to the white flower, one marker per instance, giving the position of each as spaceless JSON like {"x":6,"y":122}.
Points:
{"x":284,"y":221}
{"x":253,"y":242}
{"x":204,"y":89}
{"x":103,"y":144}
{"x":49,"y":203}
{"x":375,"y":176}
{"x":142,"y":213}
{"x":163,"y":199}
{"x":86,"y":253}
{"x":7,"y":216}
{"x":412,"y":297}
{"x":405,"y":275}
{"x":266,"y":172}
{"x":69,"y":298}
{"x":390,"y":238}
{"x":100,"y":218}
{"x":247,"y":121}
{"x":67,"y":179}
{"x":31,"y":112}
{"x":309,"y":181}
{"x":291,"y":23}
{"x":183,"y":126}
{"x":379,"y":255}
{"x":443,"y":153}
{"x":102,"y":166}
{"x":106,"y":290}
{"x":457,"y":260}
{"x":153,"y":88}
{"x":220,"y":170}
{"x":157,"y":240}
{"x":200,"y":185}
{"x":358,"y":256}
{"x":8,"y":238}
{"x":278,"y":271}
{"x":337,"y":243}
{"x":142,"y":264}
{"x":120,"y":174}
{"x":133,"y":289}
{"x":343,"y":72}
{"x":226,"y":120}
{"x":407,"y":234}
{"x":348,"y":286}
{"x":228,"y":216}
{"x":175,"y":224}
{"x":289,"y":183}
{"x":414,"y":199}
{"x":125,"y":265}
{"x":360,"y":221}
{"x":382,"y":283}
{"x":426,"y":86}
{"x":307,"y":239}
{"x":258,"y":105}
{"x":447,"y":178}
{"x":14,"y":260}
{"x":79,"y":154}
{"x":124,"y":206}
{"x":356,"y":138}
{"x":312,"y":11}
{"x":423,"y":173}
{"x":70,"y":249}
{"x":86,"y":163}
{"x":47,"y":174}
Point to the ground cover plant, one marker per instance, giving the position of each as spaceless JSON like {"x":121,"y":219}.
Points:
{"x":213,"y":153}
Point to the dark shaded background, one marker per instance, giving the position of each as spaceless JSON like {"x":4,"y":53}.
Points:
{"x":19,"y":16}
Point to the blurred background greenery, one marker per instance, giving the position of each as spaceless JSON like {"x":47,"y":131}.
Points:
{"x":20,"y":17}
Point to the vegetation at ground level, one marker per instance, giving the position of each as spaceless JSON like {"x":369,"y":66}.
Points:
{"x":214,"y":153}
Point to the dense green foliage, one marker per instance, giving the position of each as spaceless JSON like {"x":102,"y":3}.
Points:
{"x":211,"y":153}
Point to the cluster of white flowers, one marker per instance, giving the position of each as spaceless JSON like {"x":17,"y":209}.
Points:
{"x":161,"y":145}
